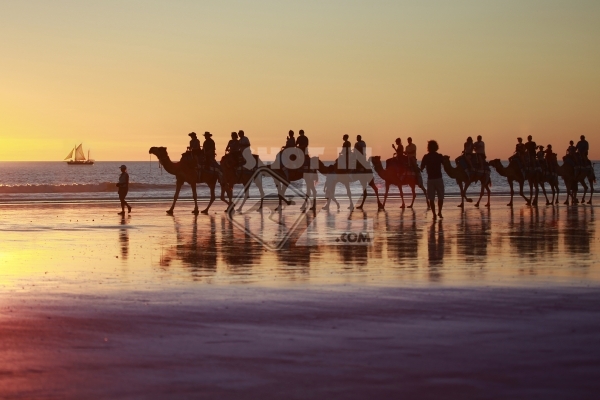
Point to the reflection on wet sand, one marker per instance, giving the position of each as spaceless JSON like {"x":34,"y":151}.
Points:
{"x":197,"y":253}
{"x":579,"y":231}
{"x":476,"y":246}
{"x":435,"y":250}
{"x":403,"y":236}
{"x":124,"y":239}
{"x":474,"y":243}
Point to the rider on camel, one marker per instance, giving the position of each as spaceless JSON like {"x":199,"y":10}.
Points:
{"x":346,"y":147}
{"x":233,"y":149}
{"x":289,"y":141}
{"x":194,"y":147}
{"x":551,"y":159}
{"x":468,"y":152}
{"x":360,"y":151}
{"x":210,"y":150}
{"x":540,"y":158}
{"x":583,"y":148}
{"x":531,"y":148}
{"x":411,"y":153}
{"x":479,"y":147}
{"x":244,"y":144}
{"x":302,"y":144}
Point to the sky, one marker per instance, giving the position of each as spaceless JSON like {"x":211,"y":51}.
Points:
{"x":122,"y":76}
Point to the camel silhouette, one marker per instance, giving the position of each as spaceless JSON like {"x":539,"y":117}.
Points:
{"x":391,"y":177}
{"x":463,"y":179}
{"x":186,"y":171}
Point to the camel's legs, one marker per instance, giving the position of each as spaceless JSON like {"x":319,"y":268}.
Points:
{"x":374,"y":187}
{"x":425,"y":194}
{"x":387,"y":189}
{"x":195,"y":195}
{"x":537,"y":191}
{"x":246,"y":196}
{"x":364,"y":197}
{"x":177,"y":190}
{"x":462,"y":195}
{"x":512,"y":192}
{"x":401,"y":194}
{"x":312,"y":189}
{"x":585,"y":189}
{"x":212,"y":197}
{"x":467,"y":184}
{"x":543,"y":185}
{"x":483,"y":186}
{"x":489,"y":193}
{"x":258,"y":183}
{"x":414,"y":195}
{"x":521,"y":185}
{"x":347,"y":185}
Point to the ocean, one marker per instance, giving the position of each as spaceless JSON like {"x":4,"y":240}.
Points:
{"x":59,"y":182}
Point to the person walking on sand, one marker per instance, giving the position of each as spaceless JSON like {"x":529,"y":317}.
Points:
{"x":123,"y":186}
{"x":435,"y":184}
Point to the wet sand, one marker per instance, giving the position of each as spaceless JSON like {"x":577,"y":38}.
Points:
{"x":485,"y":304}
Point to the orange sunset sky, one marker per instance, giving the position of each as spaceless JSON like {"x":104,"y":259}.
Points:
{"x":121,"y":76}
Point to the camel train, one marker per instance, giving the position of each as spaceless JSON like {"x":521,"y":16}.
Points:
{"x":229,"y":174}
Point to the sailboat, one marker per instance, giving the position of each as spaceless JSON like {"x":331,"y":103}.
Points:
{"x":77,"y":157}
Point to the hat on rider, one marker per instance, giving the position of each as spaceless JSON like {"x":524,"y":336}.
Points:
{"x":207,"y":134}
{"x":193,"y":134}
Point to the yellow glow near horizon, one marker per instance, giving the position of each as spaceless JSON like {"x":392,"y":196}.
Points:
{"x":124,"y":76}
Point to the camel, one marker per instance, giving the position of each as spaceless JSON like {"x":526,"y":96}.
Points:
{"x":185,"y":171}
{"x":348,"y":176}
{"x":463,"y":179}
{"x":567,"y":172}
{"x":512,"y":174}
{"x":552,"y":180}
{"x":391,"y":177}
{"x":292,"y":175}
{"x":231,"y":178}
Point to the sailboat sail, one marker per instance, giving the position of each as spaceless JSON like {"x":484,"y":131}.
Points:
{"x":79,"y":156}
{"x":70,"y":155}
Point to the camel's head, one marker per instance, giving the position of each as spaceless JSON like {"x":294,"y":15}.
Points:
{"x":375,"y":159}
{"x":446,"y":158}
{"x":158,"y":151}
{"x":494,"y":162}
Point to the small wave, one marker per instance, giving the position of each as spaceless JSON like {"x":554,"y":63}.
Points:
{"x":81,"y":188}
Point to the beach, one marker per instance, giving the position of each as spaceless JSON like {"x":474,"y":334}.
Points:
{"x":486,"y":303}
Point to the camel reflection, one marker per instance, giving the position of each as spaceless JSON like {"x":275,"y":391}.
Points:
{"x":403,"y":236}
{"x":196,"y":250}
{"x":474,"y":235}
{"x":533,"y":235}
{"x":240,"y":252}
{"x":124,"y":239}
{"x":579,"y":230}
{"x":351,"y":254}
{"x":294,"y":261}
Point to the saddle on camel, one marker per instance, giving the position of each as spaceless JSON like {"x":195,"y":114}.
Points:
{"x":404,"y":168}
{"x":201,"y":159}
